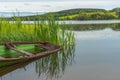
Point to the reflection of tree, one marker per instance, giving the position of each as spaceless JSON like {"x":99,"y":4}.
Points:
{"x":54,"y":65}
{"x":88,"y":27}
{"x":117,"y":27}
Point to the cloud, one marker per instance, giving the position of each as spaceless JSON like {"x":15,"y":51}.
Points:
{"x":46,"y":5}
{"x":27,"y":4}
{"x":53,"y":5}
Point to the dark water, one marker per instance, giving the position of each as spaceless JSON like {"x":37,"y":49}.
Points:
{"x":96,"y":56}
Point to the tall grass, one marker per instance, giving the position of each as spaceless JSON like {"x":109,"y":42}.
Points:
{"x":41,"y":30}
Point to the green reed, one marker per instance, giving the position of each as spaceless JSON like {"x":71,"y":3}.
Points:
{"x":41,"y":30}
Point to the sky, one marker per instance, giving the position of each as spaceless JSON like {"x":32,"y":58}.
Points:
{"x":54,"y":5}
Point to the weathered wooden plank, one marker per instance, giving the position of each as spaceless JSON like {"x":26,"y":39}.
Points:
{"x":11,"y":46}
{"x":47,"y":46}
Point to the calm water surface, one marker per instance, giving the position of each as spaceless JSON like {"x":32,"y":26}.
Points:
{"x":84,"y":22}
{"x":96,"y":56}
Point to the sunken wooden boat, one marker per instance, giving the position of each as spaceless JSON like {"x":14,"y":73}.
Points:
{"x":48,"y":49}
{"x":5,"y":70}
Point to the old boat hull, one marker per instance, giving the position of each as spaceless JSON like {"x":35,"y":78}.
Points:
{"x":50,"y":48}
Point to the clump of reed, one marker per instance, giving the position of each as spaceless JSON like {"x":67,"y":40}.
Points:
{"x":41,"y":30}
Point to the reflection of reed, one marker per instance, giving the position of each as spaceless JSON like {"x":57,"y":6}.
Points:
{"x":54,"y":65}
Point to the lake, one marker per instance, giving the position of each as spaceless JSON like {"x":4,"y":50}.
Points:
{"x":96,"y":56}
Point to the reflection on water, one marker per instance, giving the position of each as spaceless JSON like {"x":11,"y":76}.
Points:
{"x":107,"y":33}
{"x":97,"y":53}
{"x":89,"y":27}
{"x":96,"y":56}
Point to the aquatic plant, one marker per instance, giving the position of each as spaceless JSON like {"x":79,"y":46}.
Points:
{"x":41,"y":30}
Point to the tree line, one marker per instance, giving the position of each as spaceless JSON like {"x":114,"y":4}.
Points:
{"x":77,"y":14}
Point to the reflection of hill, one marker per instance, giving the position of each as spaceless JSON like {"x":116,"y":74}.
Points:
{"x":88,"y":27}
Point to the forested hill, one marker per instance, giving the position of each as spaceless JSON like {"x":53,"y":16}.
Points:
{"x":75,"y":11}
{"x":79,"y":14}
